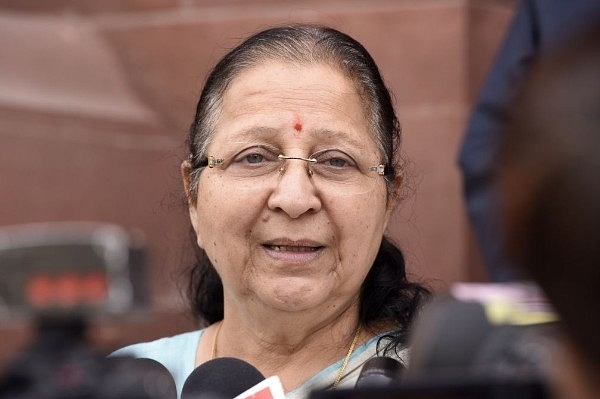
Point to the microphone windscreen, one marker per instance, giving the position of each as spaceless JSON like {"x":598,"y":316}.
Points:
{"x":221,"y":378}
{"x":379,"y":371}
{"x":128,"y":377}
{"x":447,"y":337}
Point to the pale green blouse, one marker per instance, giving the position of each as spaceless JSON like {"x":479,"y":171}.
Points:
{"x":178,"y":355}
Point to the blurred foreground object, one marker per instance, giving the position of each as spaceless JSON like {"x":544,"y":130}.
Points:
{"x":499,"y":331}
{"x":537,"y":29}
{"x":479,"y":341}
{"x":59,"y":276}
{"x":85,"y":268}
{"x":550,"y":190}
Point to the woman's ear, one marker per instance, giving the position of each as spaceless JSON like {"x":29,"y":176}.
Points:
{"x":186,"y":169}
{"x":395,"y":195}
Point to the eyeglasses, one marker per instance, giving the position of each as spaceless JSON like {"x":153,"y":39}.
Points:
{"x":333,"y":167}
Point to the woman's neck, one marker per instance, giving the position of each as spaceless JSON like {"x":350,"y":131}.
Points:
{"x":294,"y":350}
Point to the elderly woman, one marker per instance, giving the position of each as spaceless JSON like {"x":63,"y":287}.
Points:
{"x":292,"y":176}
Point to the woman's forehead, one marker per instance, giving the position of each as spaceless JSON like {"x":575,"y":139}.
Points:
{"x":279,"y":136}
{"x":294,"y":95}
{"x":294,"y":80}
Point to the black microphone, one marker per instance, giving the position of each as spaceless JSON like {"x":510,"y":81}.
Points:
{"x":221,"y":378}
{"x":446,"y":338}
{"x":379,"y":371}
{"x":454,"y":339}
{"x":127,"y":377}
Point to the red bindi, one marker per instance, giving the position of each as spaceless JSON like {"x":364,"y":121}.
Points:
{"x":298,"y":127}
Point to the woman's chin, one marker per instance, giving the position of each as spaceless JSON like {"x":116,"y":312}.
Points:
{"x":296,"y":294}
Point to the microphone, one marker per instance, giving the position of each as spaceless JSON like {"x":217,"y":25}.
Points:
{"x":127,"y":377}
{"x":379,"y":371}
{"x":500,"y":331}
{"x":446,"y":338}
{"x":221,"y":378}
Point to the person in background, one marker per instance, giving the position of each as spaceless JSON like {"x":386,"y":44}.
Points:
{"x":293,"y":172}
{"x":537,"y":28}
{"x":549,"y":199}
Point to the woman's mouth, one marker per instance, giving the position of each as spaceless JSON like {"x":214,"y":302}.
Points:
{"x":292,"y":248}
{"x":294,"y":251}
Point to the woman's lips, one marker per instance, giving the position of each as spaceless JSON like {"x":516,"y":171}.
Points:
{"x":291,"y":248}
{"x":293,"y":251}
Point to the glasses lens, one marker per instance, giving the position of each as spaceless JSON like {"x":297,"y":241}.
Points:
{"x":343,"y":173}
{"x":253,"y":161}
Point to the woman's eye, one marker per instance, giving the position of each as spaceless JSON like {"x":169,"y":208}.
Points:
{"x":337,"y":162}
{"x":254,"y":158}
{"x":254,"y":155}
{"x":335,"y":159}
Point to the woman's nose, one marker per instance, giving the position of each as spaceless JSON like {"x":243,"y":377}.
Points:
{"x":295,"y":193}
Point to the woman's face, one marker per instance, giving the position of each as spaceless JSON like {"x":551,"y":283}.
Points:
{"x":281,"y":237}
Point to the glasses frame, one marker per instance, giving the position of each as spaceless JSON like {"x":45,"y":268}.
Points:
{"x":211,"y":161}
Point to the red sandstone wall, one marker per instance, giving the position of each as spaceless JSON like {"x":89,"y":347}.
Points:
{"x":96,"y":97}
